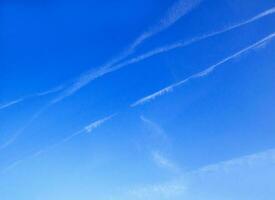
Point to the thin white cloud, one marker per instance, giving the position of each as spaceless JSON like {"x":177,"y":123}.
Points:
{"x":33,"y":118}
{"x":113,"y":66}
{"x":202,"y":73}
{"x":158,"y":191}
{"x":179,"y":9}
{"x":11,"y":103}
{"x":181,"y":44}
{"x":156,"y":130}
{"x":13,"y":138}
{"x":188,"y":184}
{"x":87,"y":129}
{"x":39,"y":94}
{"x":160,"y":137}
{"x":163,"y":162}
{"x":248,"y":160}
{"x":97,"y":123}
{"x":174,"y":13}
{"x":50,"y":91}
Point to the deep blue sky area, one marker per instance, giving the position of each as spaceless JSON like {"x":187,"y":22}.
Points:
{"x":141,"y":99}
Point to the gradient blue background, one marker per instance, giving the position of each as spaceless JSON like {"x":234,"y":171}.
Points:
{"x":226,"y":115}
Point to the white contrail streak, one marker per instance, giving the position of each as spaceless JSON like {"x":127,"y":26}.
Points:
{"x":32,"y":119}
{"x":112,"y":66}
{"x":87,"y":129}
{"x":39,"y":94}
{"x":97,"y":123}
{"x":51,"y":91}
{"x":174,"y":13}
{"x":11,"y":103}
{"x":181,"y":44}
{"x":21,"y":130}
{"x":202,"y":73}
{"x":268,"y":155}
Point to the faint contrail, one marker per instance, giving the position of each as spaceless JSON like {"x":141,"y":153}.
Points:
{"x":87,"y":129}
{"x":33,"y":118}
{"x":181,"y":44}
{"x":113,"y":66}
{"x":248,"y":160}
{"x":202,"y":73}
{"x":21,"y":130}
{"x":11,"y":103}
{"x":39,"y":94}
{"x":174,"y":13}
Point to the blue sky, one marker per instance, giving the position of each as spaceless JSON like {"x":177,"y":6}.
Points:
{"x":167,"y":99}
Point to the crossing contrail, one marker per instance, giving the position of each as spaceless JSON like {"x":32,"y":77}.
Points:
{"x":202,"y":73}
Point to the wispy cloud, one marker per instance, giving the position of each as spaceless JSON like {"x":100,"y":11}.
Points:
{"x":161,"y":139}
{"x":202,"y":73}
{"x":178,"y":10}
{"x":158,"y":191}
{"x":39,"y":94}
{"x":156,"y":130}
{"x":247,"y":161}
{"x":33,"y":118}
{"x":113,"y":65}
{"x":181,"y":44}
{"x":11,"y":103}
{"x":198,"y":184}
{"x":97,"y":123}
{"x":163,"y":162}
{"x":174,"y":13}
{"x":87,"y":129}
{"x":50,"y":91}
{"x":14,"y":137}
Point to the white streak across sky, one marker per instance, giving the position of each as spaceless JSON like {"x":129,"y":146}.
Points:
{"x":181,"y":44}
{"x":178,"y":10}
{"x":87,"y":129}
{"x":247,"y":160}
{"x":39,"y":94}
{"x":174,"y":13}
{"x":202,"y":73}
{"x":179,"y":186}
{"x":113,"y":66}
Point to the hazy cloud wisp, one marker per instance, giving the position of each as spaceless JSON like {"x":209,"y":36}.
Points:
{"x":174,"y":13}
{"x":202,"y":73}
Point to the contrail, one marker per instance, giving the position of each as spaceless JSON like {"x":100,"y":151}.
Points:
{"x":97,"y":123}
{"x":268,"y":155}
{"x":21,"y":130}
{"x":174,"y":13}
{"x":11,"y":103}
{"x":112,"y":66}
{"x":181,"y":44}
{"x":39,"y":94}
{"x":180,"y":187}
{"x":202,"y":73}
{"x":33,"y":118}
{"x":87,"y":129}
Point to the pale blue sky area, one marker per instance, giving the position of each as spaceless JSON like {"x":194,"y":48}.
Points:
{"x":141,"y":99}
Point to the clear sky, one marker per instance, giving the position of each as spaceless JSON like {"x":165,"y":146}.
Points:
{"x":140,"y":99}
